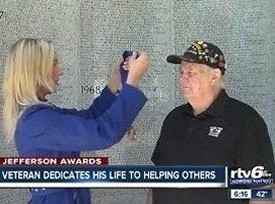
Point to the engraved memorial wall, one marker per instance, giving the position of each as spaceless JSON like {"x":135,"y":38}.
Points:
{"x":90,"y":37}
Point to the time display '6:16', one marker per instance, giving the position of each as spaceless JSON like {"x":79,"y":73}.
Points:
{"x":240,"y":193}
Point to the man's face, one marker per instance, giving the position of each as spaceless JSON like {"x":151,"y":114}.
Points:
{"x":195,"y":80}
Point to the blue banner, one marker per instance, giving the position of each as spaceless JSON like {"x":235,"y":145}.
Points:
{"x":113,"y":176}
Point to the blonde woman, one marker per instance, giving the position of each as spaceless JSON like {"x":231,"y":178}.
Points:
{"x":39,"y":128}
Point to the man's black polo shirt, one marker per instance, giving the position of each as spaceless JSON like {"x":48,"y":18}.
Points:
{"x":229,"y":133}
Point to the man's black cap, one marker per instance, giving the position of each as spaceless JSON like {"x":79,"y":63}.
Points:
{"x":203,"y":53}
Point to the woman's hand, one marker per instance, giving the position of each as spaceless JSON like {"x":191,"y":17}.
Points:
{"x":114,"y":83}
{"x":137,"y":68}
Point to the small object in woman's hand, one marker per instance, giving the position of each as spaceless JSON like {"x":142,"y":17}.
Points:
{"x":123,"y":71}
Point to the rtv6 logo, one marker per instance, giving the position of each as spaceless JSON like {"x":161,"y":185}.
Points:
{"x":256,"y":173}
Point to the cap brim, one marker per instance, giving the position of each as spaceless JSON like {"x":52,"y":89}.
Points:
{"x":174,"y":59}
{"x":177,"y":59}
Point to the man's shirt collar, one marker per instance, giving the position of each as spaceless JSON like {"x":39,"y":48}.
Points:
{"x":216,"y":109}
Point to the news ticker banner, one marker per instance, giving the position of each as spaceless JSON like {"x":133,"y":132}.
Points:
{"x":108,"y":176}
{"x":95,"y":172}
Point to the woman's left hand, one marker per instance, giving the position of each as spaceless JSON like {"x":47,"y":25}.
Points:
{"x":114,"y":83}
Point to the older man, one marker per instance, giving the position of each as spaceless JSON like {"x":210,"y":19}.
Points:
{"x":211,"y":129}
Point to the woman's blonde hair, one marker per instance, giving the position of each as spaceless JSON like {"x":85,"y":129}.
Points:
{"x":28,"y":66}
